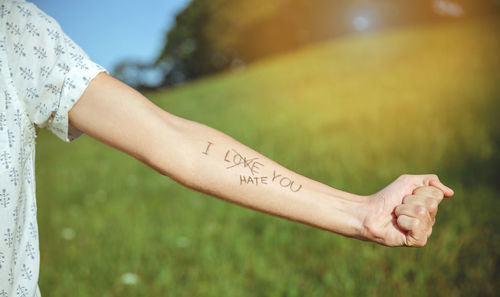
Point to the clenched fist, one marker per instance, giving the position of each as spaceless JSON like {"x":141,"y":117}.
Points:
{"x":403,"y":213}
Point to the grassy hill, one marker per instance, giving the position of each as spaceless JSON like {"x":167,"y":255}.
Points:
{"x":353,"y":113}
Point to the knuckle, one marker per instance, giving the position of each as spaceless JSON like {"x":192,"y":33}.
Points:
{"x":399,"y":220}
{"x":419,"y":242}
{"x":422,"y":242}
{"x":414,"y":224}
{"x":430,"y":177}
{"x":399,"y":209}
{"x":432,"y":204}
{"x":404,"y":177}
{"x":420,"y":211}
{"x":408,"y":199}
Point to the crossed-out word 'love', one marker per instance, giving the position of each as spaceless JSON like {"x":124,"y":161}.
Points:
{"x":235,"y":159}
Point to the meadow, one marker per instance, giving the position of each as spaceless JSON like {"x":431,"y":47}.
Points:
{"x":353,"y":113}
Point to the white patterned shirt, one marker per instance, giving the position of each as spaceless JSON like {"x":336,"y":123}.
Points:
{"x":42,"y":75}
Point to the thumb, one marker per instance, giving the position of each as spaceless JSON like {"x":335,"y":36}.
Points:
{"x":434,"y":181}
{"x":428,"y":180}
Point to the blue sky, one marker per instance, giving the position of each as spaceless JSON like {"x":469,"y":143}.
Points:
{"x":113,"y":30}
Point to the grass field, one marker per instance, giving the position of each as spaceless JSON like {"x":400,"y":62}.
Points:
{"x":353,"y":113}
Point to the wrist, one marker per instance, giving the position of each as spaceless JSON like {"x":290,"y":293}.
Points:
{"x":346,"y":214}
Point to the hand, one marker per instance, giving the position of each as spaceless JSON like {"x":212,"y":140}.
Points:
{"x":403,"y":213}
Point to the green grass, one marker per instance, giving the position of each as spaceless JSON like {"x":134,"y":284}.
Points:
{"x":353,"y":113}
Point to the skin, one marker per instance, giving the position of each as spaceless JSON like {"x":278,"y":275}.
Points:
{"x":209,"y":161}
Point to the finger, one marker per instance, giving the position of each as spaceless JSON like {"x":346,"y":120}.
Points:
{"x":407,"y":223}
{"x":430,"y":203}
{"x":416,"y":235}
{"x":429,"y":191}
{"x":427,"y":180}
{"x":415,"y":211}
{"x":416,"y":220}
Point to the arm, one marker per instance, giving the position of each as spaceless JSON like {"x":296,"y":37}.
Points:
{"x":209,"y":161}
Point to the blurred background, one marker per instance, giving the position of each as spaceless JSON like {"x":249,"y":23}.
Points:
{"x":350,"y":93}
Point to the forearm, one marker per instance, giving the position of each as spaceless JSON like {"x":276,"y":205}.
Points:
{"x":209,"y":161}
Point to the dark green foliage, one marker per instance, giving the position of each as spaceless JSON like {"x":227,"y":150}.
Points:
{"x":210,"y":36}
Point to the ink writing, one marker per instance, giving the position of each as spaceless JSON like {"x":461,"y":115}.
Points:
{"x":208,"y":147}
{"x":233,"y":158}
{"x":285,"y":182}
{"x":255,"y":180}
{"x":236,"y":159}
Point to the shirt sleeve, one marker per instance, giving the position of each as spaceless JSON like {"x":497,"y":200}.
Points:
{"x":50,"y":72}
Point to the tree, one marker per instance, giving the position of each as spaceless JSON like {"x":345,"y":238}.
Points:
{"x":210,"y":36}
{"x":140,"y":75}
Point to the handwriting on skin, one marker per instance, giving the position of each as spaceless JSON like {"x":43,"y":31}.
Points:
{"x":236,"y":159}
{"x":285,"y":182}
{"x":233,"y":159}
{"x":208,"y":147}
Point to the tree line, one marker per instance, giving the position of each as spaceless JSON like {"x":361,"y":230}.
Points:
{"x":210,"y":36}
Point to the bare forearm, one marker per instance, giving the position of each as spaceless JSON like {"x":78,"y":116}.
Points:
{"x":209,"y":161}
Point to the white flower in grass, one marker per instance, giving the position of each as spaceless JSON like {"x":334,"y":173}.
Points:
{"x":129,"y":279}
{"x":68,"y":233}
{"x":183,"y":242}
